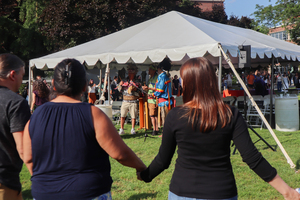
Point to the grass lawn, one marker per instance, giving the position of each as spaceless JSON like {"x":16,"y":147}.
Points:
{"x":250,"y":186}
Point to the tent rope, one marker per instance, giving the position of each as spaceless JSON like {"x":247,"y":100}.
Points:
{"x":289,"y":160}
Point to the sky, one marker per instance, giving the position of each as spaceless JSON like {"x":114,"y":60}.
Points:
{"x":241,"y":8}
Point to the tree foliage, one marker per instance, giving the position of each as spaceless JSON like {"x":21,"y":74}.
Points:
{"x":68,"y":23}
{"x":285,"y":13}
{"x":243,"y":22}
{"x":18,"y":34}
{"x":217,"y":14}
{"x":33,"y":28}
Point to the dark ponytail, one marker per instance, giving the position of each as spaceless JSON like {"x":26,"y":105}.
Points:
{"x":69,"y":77}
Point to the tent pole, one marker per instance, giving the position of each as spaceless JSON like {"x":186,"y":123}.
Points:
{"x":108,"y":82}
{"x":100,"y":79}
{"x":106,"y":79}
{"x":30,"y":82}
{"x":272,"y":89}
{"x":220,"y":72}
{"x":257,"y":108}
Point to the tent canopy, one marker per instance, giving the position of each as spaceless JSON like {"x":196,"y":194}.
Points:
{"x":177,"y":36}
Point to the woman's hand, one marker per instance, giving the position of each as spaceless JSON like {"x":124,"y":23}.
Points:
{"x":292,"y":195}
{"x":138,"y":174}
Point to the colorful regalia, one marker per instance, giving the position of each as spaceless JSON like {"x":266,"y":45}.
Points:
{"x":163,"y":90}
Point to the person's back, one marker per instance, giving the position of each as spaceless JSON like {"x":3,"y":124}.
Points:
{"x":74,"y":172}
{"x":14,"y":115}
{"x":260,"y":87}
{"x":250,"y":79}
{"x":67,"y":143}
{"x":202,"y":135}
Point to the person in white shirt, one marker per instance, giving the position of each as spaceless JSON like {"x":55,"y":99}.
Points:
{"x":92,"y":91}
{"x":229,"y":80}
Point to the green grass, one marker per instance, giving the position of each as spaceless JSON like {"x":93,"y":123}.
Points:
{"x":250,"y":186}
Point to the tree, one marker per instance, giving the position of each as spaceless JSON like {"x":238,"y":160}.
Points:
{"x":243,"y":22}
{"x":68,"y":23}
{"x":18,"y":34}
{"x":284,"y":13}
{"x":217,"y":14}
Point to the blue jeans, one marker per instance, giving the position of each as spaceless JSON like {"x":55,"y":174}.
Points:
{"x":106,"y":196}
{"x":173,"y":196}
{"x":279,"y":85}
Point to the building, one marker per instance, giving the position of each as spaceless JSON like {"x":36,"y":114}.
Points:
{"x":207,"y":5}
{"x":281,"y":33}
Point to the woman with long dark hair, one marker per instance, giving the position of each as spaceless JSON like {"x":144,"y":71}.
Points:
{"x":202,"y":129}
{"x":67,"y":143}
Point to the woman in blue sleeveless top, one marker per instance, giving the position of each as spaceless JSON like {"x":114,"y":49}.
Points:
{"x":67,"y":143}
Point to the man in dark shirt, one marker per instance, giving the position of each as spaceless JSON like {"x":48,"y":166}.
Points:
{"x":175,"y":85}
{"x":114,"y":89}
{"x":260,"y":86}
{"x":15,"y":113}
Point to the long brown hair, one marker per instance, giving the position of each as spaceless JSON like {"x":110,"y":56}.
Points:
{"x":201,"y":95}
{"x":41,"y":88}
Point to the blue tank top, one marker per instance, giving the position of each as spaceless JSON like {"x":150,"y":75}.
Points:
{"x":68,"y":162}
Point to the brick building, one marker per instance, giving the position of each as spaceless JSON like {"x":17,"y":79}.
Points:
{"x":280,"y":33}
{"x":207,"y":5}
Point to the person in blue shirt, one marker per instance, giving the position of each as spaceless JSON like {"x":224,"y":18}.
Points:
{"x":163,"y":89}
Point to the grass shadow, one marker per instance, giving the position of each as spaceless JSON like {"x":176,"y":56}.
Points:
{"x":27,"y":195}
{"x":143,"y":196}
{"x":298,"y":164}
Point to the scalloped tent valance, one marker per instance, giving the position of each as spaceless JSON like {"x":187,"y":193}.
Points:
{"x":177,"y":36}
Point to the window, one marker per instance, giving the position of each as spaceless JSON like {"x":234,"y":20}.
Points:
{"x":279,"y":35}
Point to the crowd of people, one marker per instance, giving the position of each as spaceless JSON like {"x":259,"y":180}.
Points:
{"x":66,"y":143}
{"x":260,"y":80}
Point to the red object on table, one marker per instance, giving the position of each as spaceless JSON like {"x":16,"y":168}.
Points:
{"x":235,"y":93}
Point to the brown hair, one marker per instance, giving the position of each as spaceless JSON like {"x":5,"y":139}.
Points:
{"x":41,"y":88}
{"x":201,"y":95}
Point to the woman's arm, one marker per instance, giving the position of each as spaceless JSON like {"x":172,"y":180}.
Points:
{"x":287,"y":192}
{"x":33,"y":102}
{"x":27,"y":152}
{"x":166,"y":151}
{"x":109,"y":139}
{"x":257,"y":162}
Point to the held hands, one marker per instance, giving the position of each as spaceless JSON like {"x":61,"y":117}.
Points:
{"x":138,"y":174}
{"x":292,"y":195}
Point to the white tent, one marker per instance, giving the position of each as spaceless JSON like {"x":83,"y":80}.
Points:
{"x":177,"y":36}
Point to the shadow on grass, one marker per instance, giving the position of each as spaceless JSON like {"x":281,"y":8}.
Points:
{"x":143,"y":196}
{"x":298,"y":164}
{"x":140,"y":135}
{"x":27,"y":195}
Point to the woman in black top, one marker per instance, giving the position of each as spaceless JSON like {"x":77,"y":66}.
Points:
{"x":203,"y":129}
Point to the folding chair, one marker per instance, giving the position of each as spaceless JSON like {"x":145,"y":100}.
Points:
{"x":253,"y":117}
{"x":239,"y":104}
{"x":229,"y":100}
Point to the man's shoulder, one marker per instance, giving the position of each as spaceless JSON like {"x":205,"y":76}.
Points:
{"x":10,"y":95}
{"x":13,"y":101}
